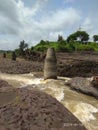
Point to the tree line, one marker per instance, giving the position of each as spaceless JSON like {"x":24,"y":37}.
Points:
{"x":77,"y":41}
{"x":81,"y":36}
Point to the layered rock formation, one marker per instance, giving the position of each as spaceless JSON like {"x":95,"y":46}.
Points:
{"x":50,"y":66}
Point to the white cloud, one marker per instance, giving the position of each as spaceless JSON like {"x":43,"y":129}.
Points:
{"x":33,"y":23}
{"x":60,"y":20}
{"x":88,"y":25}
{"x":69,"y":1}
{"x":8,"y":42}
{"x":8,"y":9}
{"x":29,"y":24}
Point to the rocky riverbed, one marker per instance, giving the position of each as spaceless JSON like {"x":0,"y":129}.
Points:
{"x":70,"y":65}
{"x":31,"y":109}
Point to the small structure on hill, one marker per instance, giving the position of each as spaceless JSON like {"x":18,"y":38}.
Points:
{"x":50,"y":65}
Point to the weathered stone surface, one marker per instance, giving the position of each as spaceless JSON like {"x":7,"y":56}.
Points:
{"x":50,"y":66}
{"x":4,"y":86}
{"x":83,"y":85}
{"x":36,"y":110}
{"x":7,"y":92}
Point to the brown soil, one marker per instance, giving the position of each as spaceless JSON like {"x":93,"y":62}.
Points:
{"x":19,"y":66}
{"x":84,"y":64}
{"x":36,"y":110}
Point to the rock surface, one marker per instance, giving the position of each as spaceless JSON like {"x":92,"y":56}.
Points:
{"x":7,"y":92}
{"x":36,"y":110}
{"x":50,"y":65}
{"x":4,"y":86}
{"x":83,"y":85}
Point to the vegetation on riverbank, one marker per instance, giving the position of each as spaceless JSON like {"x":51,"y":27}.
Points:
{"x":78,"y":41}
{"x":65,"y":46}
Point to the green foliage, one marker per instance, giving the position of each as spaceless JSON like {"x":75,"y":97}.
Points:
{"x":65,"y":46}
{"x":95,"y":38}
{"x":71,"y":37}
{"x":77,"y":41}
{"x":61,"y":46}
{"x":60,"y":38}
{"x":44,"y":45}
{"x":32,"y":48}
{"x":17,"y":52}
{"x":81,"y":36}
{"x":22,"y":47}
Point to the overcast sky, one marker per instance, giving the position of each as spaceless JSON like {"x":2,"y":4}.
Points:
{"x":34,"y":20}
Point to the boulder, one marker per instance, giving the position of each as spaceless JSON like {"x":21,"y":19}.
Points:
{"x":84,"y":85}
{"x":4,"y":86}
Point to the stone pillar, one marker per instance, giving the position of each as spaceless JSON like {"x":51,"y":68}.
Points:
{"x":50,"y":65}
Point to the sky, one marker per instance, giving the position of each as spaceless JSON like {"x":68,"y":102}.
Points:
{"x":35,"y":20}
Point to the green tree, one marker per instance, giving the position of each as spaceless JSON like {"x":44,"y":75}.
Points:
{"x":81,"y":36}
{"x":42,"y":42}
{"x":22,"y":47}
{"x":60,"y":38}
{"x":71,"y":37}
{"x":95,"y":38}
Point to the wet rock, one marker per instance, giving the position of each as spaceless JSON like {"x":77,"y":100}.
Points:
{"x":4,"y":86}
{"x":36,"y":110}
{"x":83,"y":85}
{"x":7,"y":92}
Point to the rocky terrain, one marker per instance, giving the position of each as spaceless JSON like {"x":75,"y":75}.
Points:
{"x":19,"y":66}
{"x":27,"y":109}
{"x":78,"y":64}
{"x":36,"y":110}
{"x":84,"y":64}
{"x":84,"y":85}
